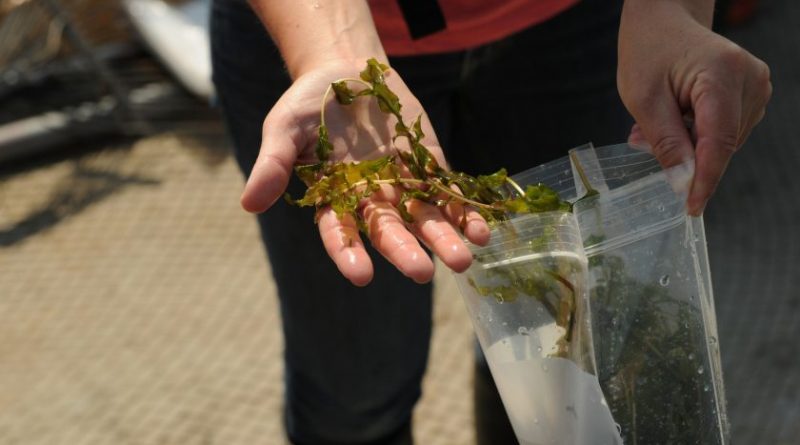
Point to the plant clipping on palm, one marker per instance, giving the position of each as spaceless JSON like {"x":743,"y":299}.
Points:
{"x":415,"y":171}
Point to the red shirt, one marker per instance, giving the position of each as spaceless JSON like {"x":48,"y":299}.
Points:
{"x":469,"y":23}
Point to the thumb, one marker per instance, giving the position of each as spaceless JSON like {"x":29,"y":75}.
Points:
{"x":281,"y":140}
{"x":663,"y":127}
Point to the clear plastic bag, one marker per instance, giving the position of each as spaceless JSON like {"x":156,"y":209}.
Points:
{"x":642,"y":335}
{"x":527,"y":299}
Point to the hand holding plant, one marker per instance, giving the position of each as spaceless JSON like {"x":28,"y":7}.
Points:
{"x":370,"y":166}
{"x":359,"y":132}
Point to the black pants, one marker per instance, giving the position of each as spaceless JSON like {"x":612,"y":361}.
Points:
{"x":355,"y":356}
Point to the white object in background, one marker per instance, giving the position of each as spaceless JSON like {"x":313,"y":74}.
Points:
{"x":178,"y":35}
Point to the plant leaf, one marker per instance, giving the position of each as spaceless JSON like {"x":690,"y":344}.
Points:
{"x":344,"y":95}
{"x":401,"y":207}
{"x":417,"y":127}
{"x":357,"y":171}
{"x":541,"y":198}
{"x":388,"y":102}
{"x":495,"y":180}
{"x":373,"y":73}
{"x":308,"y":173}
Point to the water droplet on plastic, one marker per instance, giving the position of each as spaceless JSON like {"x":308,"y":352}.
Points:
{"x":505,"y":323}
{"x":700,"y":370}
{"x":661,"y":207}
{"x":712,"y":340}
{"x":691,"y":356}
{"x":544,"y":367}
{"x":664,"y":280}
{"x":706,"y":388}
{"x":538,"y":349}
{"x":522,"y":331}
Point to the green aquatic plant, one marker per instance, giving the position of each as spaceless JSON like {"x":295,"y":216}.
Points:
{"x":415,"y":171}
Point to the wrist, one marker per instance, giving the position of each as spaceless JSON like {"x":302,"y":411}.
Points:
{"x":310,"y":36}
{"x":335,"y":55}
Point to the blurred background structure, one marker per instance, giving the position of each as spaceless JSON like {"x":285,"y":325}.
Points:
{"x":136,"y":305}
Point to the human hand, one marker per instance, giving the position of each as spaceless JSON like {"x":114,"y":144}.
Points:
{"x":358,"y":132}
{"x":673,"y":70}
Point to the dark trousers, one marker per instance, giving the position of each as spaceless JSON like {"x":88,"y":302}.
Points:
{"x":355,"y":357}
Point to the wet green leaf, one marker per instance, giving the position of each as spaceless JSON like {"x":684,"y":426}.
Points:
{"x":401,"y":207}
{"x":308,"y":173}
{"x":417,"y":127}
{"x":373,"y":73}
{"x":495,"y":180}
{"x":401,"y":130}
{"x":344,"y":95}
{"x":358,"y":171}
{"x":388,"y":102}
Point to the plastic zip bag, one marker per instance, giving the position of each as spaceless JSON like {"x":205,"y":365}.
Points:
{"x":642,"y":334}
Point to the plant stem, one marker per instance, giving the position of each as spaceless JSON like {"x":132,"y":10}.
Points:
{"x":515,"y":186}
{"x":586,"y":184}
{"x":455,"y":195}
{"x":322,"y":107}
{"x":434,"y":184}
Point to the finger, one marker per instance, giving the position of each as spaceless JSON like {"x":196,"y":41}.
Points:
{"x":438,"y":234}
{"x":717,"y":121}
{"x":391,"y":238}
{"x":344,"y":246}
{"x":661,"y":122}
{"x":281,"y":141}
{"x":472,"y":224}
{"x":757,"y":93}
